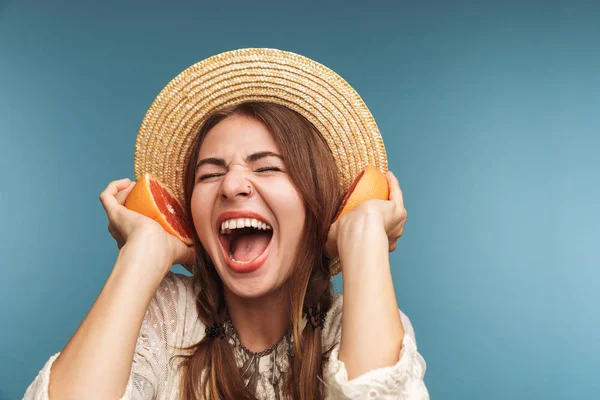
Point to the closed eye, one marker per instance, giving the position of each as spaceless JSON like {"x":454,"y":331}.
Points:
{"x":268,"y":169}
{"x":207,"y":176}
{"x":265,"y":169}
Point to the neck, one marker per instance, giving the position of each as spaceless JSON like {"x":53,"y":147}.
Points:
{"x":259,"y":322}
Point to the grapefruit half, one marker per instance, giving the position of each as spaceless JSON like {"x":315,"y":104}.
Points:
{"x":154,"y":200}
{"x":369,"y":184}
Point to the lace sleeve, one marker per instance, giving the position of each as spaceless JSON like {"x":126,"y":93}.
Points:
{"x":403,"y":381}
{"x":161,"y":328}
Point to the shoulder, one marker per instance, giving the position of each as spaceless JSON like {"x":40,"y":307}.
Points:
{"x":173,"y":306}
{"x":174,"y":290}
{"x":176,"y":283}
{"x":332,"y":330}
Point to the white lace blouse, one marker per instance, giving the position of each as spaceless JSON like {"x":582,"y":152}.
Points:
{"x":172,"y":320}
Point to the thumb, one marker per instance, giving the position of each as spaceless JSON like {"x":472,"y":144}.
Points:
{"x":122,"y":195}
{"x":108,"y":196}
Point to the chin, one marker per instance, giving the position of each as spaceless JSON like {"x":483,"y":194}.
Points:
{"x":251,"y":290}
{"x":253,"y":285}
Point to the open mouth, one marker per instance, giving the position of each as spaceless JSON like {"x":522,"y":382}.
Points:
{"x":245,"y":243}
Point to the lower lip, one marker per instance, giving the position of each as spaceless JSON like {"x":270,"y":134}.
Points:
{"x":251,"y":266}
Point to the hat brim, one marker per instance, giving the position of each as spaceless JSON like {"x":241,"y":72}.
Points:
{"x":316,"y":92}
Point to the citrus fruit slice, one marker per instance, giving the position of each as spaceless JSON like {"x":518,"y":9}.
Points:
{"x":369,"y":184}
{"x":154,"y":200}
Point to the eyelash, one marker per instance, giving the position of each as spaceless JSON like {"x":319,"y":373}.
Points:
{"x":207,"y":176}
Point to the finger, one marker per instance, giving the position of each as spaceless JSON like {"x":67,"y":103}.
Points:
{"x":107,"y":197}
{"x":122,"y":195}
{"x":395,"y":191}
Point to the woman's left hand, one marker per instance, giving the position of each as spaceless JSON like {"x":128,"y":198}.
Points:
{"x":390,"y":215}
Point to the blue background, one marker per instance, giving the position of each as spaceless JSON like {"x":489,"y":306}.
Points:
{"x":490,"y":115}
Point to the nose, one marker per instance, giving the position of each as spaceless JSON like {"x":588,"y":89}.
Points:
{"x":235,"y":185}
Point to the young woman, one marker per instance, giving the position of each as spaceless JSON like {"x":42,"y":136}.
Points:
{"x":258,"y":318}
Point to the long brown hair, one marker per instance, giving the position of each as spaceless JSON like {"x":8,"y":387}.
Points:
{"x":211,"y":368}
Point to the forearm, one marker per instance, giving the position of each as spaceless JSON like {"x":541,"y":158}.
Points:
{"x":96,"y":362}
{"x":372,"y":330}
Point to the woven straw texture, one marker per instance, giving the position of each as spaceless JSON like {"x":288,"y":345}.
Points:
{"x":299,"y":83}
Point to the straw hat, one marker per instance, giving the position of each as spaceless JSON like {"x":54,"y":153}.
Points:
{"x":317,"y":93}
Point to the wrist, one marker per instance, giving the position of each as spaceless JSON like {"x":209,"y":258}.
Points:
{"x":362,"y":237}
{"x":145,"y":256}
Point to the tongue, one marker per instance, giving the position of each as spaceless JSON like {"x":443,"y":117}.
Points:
{"x":249,"y":246}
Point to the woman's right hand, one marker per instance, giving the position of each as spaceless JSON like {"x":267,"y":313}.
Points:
{"x":127,"y":226}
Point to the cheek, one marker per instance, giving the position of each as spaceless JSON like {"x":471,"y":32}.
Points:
{"x":201,"y":213}
{"x":288,"y":195}
{"x":291,"y":211}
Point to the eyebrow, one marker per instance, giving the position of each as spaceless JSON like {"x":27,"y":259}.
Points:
{"x":251,"y":158}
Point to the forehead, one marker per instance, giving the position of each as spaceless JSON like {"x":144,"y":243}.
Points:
{"x":237,"y":134}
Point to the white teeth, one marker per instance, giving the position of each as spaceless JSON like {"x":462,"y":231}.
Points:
{"x":227,"y":226}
